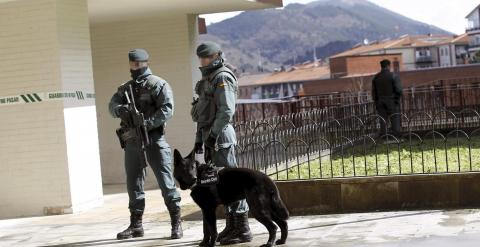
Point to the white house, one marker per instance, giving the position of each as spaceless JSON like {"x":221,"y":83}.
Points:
{"x":473,"y":30}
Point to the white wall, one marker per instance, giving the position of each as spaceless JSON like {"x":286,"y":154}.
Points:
{"x":47,"y":151}
{"x":170,"y":41}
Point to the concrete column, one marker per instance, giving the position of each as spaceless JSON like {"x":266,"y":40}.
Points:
{"x":48,"y":137}
{"x":170,"y":41}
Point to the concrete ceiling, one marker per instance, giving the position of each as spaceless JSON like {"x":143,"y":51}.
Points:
{"x":113,"y":10}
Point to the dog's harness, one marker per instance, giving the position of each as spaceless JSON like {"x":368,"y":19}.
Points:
{"x":206,"y":177}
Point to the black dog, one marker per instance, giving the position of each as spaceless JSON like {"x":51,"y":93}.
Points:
{"x":233,"y":184}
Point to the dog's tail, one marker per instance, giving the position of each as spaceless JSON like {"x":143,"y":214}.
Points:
{"x":278,"y":207}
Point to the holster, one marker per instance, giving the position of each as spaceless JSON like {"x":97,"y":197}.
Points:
{"x":123,"y":135}
{"x":119,"y":135}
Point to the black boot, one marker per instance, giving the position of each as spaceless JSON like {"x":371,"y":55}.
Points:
{"x":241,"y":231}
{"x":229,"y":226}
{"x":175,"y":218}
{"x":135,"y":229}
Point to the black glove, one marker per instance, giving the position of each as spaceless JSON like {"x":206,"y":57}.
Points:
{"x":198,"y":148}
{"x":210,"y":142}
{"x":123,"y":113}
{"x":207,"y":156}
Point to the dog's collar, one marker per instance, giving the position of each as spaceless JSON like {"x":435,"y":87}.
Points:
{"x":193,"y":185}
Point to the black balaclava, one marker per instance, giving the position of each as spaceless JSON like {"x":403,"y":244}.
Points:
{"x":138,"y":72}
{"x":214,"y":65}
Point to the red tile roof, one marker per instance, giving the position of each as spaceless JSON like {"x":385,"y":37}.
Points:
{"x":302,"y":72}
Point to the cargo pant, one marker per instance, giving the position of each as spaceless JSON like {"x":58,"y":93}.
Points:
{"x":225,"y":157}
{"x":159,"y":158}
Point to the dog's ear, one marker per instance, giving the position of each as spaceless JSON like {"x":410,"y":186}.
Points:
{"x":190,"y":155}
{"x":177,"y":157}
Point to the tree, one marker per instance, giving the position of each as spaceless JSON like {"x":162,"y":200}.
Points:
{"x":476,"y":57}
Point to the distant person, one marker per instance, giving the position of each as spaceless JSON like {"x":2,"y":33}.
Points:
{"x":387,"y":92}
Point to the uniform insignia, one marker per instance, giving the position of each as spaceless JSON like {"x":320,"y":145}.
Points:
{"x":221,"y":84}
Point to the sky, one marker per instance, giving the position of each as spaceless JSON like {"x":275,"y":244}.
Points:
{"x":446,"y":14}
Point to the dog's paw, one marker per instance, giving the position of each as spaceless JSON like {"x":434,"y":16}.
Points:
{"x":280,"y":242}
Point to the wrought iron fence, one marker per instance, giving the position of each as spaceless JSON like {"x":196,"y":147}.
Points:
{"x":452,"y":94}
{"x":345,"y":141}
{"x":338,"y":135}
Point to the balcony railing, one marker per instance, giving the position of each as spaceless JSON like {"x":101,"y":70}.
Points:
{"x":470,"y":46}
{"x":473,"y":29}
{"x":424,"y":59}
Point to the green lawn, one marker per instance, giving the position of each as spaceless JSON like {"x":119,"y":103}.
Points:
{"x":391,"y":159}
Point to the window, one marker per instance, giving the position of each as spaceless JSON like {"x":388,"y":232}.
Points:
{"x":423,"y":52}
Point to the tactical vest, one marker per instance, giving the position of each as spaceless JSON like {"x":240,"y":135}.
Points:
{"x":142,"y":93}
{"x":204,"y":108}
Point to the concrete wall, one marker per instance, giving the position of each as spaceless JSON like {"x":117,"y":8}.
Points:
{"x":338,"y":66}
{"x":171,"y":42}
{"x":381,"y":193}
{"x":48,"y":145}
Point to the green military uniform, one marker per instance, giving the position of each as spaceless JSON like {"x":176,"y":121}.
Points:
{"x":213,"y":112}
{"x":387,"y":91}
{"x":153,"y":97}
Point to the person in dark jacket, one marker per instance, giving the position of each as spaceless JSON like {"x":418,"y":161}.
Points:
{"x":387,"y":92}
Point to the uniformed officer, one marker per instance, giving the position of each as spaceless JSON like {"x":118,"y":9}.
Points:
{"x":153,"y":97}
{"x":213,"y":112}
{"x":387,"y":92}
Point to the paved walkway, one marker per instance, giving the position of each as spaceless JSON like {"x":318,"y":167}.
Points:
{"x":99,"y":226}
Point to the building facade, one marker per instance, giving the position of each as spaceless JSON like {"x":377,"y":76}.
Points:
{"x":363,"y":64}
{"x":61,"y":62}
{"x":416,"y":52}
{"x":473,"y":30}
{"x":281,"y":84}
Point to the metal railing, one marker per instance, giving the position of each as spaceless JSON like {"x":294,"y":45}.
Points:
{"x":451,"y":94}
{"x":339,"y":135}
{"x":346,"y":142}
{"x":472,"y":29}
